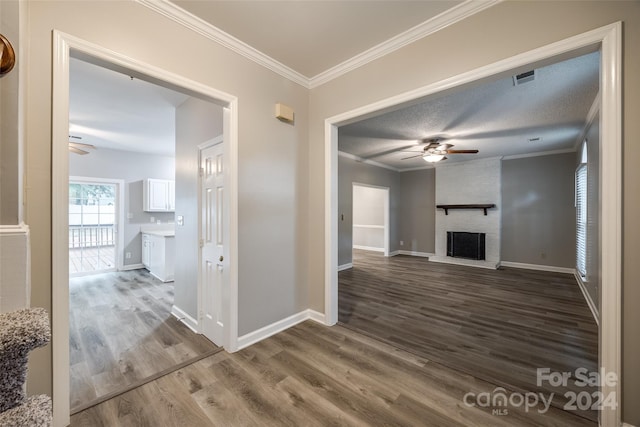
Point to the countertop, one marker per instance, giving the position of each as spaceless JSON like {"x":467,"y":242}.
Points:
{"x":161,"y":233}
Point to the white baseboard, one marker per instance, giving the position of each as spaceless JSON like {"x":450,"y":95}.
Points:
{"x":490,"y":265}
{"x":368,"y":248}
{"x":587,"y":297}
{"x":279,"y":326}
{"x":179,"y":314}
{"x":412,"y":253}
{"x":132,"y":267}
{"x":627,"y":425}
{"x":345,"y":266}
{"x":538,"y":267}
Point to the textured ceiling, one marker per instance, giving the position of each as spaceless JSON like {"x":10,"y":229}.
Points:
{"x":496,"y":118}
{"x":108,"y":109}
{"x":313,"y":36}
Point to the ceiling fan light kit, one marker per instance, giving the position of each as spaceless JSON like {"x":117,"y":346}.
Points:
{"x":432,"y":158}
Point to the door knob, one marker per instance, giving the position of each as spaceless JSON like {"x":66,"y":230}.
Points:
{"x":221,"y":258}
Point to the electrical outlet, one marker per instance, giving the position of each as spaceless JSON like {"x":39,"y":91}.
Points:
{"x":152,"y":219}
{"x":543,"y":255}
{"x":401,"y":242}
{"x":129,"y":215}
{"x":127,"y":255}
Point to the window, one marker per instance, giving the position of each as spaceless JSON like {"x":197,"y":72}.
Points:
{"x":581,"y":213}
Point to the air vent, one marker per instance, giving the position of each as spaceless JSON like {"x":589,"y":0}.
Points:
{"x":523,"y":78}
{"x":535,"y":139}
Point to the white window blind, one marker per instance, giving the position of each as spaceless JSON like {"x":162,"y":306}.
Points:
{"x":581,"y":219}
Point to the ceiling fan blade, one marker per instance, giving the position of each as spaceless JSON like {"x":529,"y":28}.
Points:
{"x":78,"y":151}
{"x":81,"y":145}
{"x":461,"y":151}
{"x":411,"y":157}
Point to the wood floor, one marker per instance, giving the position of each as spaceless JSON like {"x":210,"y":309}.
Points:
{"x":313,"y":375}
{"x":499,"y":326}
{"x":122,"y":332}
{"x":91,"y":259}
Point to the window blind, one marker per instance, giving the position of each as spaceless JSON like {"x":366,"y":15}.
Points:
{"x":581,"y":219}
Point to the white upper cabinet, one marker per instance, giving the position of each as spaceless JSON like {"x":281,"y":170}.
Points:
{"x":158,"y":195}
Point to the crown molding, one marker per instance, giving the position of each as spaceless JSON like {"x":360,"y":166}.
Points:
{"x":430,"y":26}
{"x":200,"y":26}
{"x":366,"y":161}
{"x":539,"y":153}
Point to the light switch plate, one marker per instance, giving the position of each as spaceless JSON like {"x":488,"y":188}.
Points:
{"x":180,"y":220}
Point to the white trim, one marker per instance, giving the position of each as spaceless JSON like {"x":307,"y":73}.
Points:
{"x":587,"y":297}
{"x":380,"y":227}
{"x":611,"y":216}
{"x":413,"y":253}
{"x":182,"y":316}
{"x":202,"y":27}
{"x":430,"y":26}
{"x":366,"y":161}
{"x":63,"y":44}
{"x":129,"y":267}
{"x":538,"y":267}
{"x":540,"y":153}
{"x":14,"y":229}
{"x":343,"y":267}
{"x":609,"y":39}
{"x":208,"y":30}
{"x":265,"y":332}
{"x":368,"y":248}
{"x":120,"y":187}
{"x":489,"y":265}
{"x":627,"y":425}
{"x":316,"y":316}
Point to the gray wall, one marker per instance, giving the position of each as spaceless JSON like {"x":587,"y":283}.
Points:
{"x":411,"y":206}
{"x":593,"y":279}
{"x":350,"y":171}
{"x":10,"y":156}
{"x":132,"y":168}
{"x":197,"y":121}
{"x":538,"y":213}
{"x":417,"y":219}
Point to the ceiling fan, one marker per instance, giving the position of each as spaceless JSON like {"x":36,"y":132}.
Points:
{"x":78,"y":147}
{"x":435,"y":150}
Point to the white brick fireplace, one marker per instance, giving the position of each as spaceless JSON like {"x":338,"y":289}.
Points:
{"x":473,"y":182}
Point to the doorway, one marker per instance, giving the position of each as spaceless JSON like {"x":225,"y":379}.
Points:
{"x":94,"y":225}
{"x":607,"y":40}
{"x":370,"y":218}
{"x":66,"y":47}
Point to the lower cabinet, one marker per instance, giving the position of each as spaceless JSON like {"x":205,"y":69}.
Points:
{"x":158,"y":254}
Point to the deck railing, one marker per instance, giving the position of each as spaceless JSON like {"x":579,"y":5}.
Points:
{"x":91,"y":236}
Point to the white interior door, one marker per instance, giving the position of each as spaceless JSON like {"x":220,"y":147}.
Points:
{"x":212,"y":242}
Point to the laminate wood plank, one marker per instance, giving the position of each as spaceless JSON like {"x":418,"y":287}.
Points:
{"x":122,"y":331}
{"x":499,"y":326}
{"x":313,"y":375}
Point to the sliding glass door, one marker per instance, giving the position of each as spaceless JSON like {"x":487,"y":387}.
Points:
{"x":92,"y":227}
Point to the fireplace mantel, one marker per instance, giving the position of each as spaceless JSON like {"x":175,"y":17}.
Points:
{"x":484,"y":207}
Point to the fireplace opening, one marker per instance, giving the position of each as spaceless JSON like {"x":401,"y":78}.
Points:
{"x":466,"y":245}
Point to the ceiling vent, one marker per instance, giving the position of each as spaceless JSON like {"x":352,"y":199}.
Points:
{"x":535,"y":139}
{"x":522,"y":78}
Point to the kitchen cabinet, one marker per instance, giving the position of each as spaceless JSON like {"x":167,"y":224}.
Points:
{"x":158,"y":195}
{"x":158,"y":254}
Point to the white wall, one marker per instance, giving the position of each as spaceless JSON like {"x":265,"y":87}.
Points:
{"x":197,"y":121}
{"x":473,"y":182}
{"x":132,"y":168}
{"x":368,"y":210}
